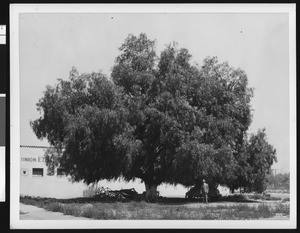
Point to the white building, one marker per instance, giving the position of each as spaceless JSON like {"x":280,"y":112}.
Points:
{"x":35,"y":180}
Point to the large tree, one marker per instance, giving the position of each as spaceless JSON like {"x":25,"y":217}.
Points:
{"x":216,"y":117}
{"x":160,"y":119}
{"x":190,"y":122}
{"x":261,"y":156}
{"x":254,"y":164}
{"x":82,"y":117}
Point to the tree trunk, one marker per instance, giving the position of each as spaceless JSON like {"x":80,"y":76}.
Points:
{"x":232,"y":190}
{"x":151,"y":191}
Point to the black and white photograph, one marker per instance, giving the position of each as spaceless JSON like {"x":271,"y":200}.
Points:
{"x":153,"y":116}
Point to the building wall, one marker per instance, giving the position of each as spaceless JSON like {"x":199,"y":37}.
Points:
{"x":57,"y":186}
{"x":61,"y":187}
{"x":44,"y":185}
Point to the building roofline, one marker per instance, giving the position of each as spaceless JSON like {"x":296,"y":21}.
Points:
{"x":31,"y":146}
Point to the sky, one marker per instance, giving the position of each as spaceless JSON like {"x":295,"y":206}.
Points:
{"x":258,"y":43}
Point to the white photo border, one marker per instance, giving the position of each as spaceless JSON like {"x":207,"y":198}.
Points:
{"x":16,"y":9}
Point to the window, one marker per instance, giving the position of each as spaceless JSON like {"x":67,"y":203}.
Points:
{"x":60,"y":172}
{"x":38,"y":172}
{"x":24,"y":172}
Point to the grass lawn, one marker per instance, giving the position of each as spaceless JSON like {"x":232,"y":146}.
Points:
{"x":162,"y":211}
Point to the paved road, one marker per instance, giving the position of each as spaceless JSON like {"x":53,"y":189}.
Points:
{"x":29,"y":212}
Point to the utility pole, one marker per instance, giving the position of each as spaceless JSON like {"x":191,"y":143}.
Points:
{"x":275,"y":184}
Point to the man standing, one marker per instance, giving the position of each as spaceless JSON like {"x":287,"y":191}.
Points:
{"x":205,"y":190}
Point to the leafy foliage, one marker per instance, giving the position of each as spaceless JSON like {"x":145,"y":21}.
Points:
{"x":261,"y":157}
{"x":83,"y":116}
{"x":160,"y":119}
{"x":279,"y":181}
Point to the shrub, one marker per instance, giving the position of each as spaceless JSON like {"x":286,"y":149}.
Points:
{"x":242,"y":208}
{"x":286,"y":199}
{"x":210,"y":216}
{"x":139,"y":205}
{"x":256,"y":196}
{"x":71,"y":209}
{"x":264,"y":210}
{"x":103,"y":214}
{"x":88,"y":213}
{"x":55,"y":207}
{"x":284,"y":209}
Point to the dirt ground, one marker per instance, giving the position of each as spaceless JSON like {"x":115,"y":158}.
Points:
{"x":29,"y":212}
